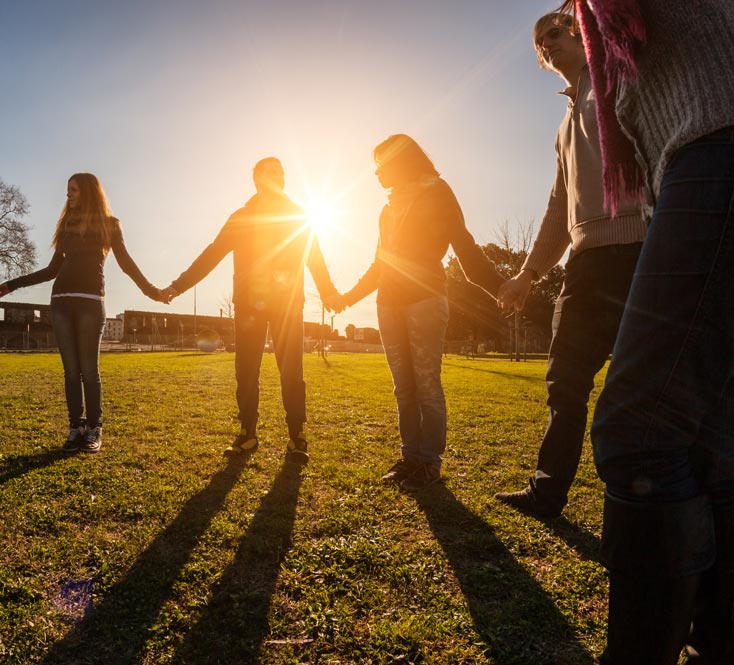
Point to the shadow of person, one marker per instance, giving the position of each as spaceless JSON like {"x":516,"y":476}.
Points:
{"x":115,"y":630}
{"x":513,"y":615}
{"x":18,"y":465}
{"x":577,"y":537}
{"x":235,"y":622}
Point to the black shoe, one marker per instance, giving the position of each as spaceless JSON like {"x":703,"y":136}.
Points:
{"x":399,"y":471}
{"x":92,"y":440}
{"x":422,"y":476}
{"x":525,"y":502}
{"x":243,"y":444}
{"x":297,"y":450}
{"x":74,"y":440}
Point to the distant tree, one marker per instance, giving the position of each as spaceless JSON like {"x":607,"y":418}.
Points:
{"x":17,"y":252}
{"x":226,"y":305}
{"x":473,"y":313}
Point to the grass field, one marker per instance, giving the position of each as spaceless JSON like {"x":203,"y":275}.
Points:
{"x":161,"y":550}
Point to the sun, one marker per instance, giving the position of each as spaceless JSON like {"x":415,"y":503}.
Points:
{"x":321,"y":214}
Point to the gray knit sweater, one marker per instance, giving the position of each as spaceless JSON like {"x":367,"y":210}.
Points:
{"x":685,"y":88}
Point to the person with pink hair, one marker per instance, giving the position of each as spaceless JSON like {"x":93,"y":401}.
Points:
{"x":663,"y":430}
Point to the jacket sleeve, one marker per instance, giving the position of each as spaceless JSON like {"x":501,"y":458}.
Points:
{"x":477,"y":266}
{"x":40,"y":276}
{"x":367,"y":283}
{"x":128,"y":266}
{"x":207,"y":260}
{"x":553,"y":238}
{"x":317,"y":267}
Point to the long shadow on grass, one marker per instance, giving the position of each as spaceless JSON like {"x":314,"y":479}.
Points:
{"x":235,"y":621}
{"x":532,"y":379}
{"x":19,"y":465}
{"x":577,"y":537}
{"x":115,"y":630}
{"x":513,"y":615}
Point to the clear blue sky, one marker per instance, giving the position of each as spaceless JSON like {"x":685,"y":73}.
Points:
{"x":171,"y":102}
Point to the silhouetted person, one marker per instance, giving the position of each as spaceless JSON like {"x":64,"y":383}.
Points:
{"x":271,"y":241}
{"x":85,"y":233}
{"x":604,"y":252}
{"x":663,"y":429}
{"x":420,"y":221}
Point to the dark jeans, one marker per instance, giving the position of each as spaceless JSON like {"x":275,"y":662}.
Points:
{"x":413,"y":336}
{"x":663,"y":429}
{"x":78,"y":324}
{"x":585,"y":324}
{"x":286,"y":331}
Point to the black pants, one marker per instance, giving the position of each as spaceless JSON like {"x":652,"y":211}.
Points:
{"x":286,"y":331}
{"x":585,"y":324}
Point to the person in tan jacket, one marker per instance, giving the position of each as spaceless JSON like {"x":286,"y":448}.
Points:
{"x":603,"y":254}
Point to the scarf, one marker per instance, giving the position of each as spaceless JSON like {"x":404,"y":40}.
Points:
{"x":611,"y":32}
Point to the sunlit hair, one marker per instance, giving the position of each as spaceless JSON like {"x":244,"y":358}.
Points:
{"x":263,"y":164}
{"x":95,"y":216}
{"x":559,"y":18}
{"x":410,"y":159}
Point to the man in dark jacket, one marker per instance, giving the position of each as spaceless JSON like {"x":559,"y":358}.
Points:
{"x":271,"y":242}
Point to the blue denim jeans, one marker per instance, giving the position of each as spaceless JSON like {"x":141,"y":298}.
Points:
{"x":663,"y":430}
{"x":286,"y":330}
{"x":78,"y":325}
{"x":413,"y":337}
{"x":585,"y":324}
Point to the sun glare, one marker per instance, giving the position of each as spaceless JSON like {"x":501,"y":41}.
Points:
{"x":321,"y":214}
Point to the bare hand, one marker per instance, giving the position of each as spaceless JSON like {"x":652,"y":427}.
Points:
{"x":4,"y":290}
{"x":515,"y":291}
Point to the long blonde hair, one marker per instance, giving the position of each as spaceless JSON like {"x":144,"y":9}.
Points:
{"x":95,"y":216}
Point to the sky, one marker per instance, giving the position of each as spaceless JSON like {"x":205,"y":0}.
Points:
{"x":171,"y":102}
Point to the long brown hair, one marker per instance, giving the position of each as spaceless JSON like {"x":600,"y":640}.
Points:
{"x":413,"y":162}
{"x":95,"y":216}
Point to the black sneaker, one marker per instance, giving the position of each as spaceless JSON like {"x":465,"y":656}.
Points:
{"x":243,"y":444}
{"x":525,"y":502}
{"x":422,"y":476}
{"x":297,"y":450}
{"x":75,"y":439}
{"x":92,"y":440}
{"x":399,"y":471}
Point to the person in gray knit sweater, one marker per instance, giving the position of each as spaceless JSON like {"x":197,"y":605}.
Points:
{"x":663,"y":429}
{"x":603,"y":256}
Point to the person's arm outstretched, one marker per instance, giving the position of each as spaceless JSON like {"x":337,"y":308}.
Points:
{"x":320,"y":273}
{"x":129,"y":267}
{"x":476,"y":265}
{"x":551,"y":242}
{"x":38,"y":277}
{"x":204,"y":263}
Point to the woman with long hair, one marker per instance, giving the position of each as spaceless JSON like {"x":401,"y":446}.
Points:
{"x":421,"y":219}
{"x":85,"y":233}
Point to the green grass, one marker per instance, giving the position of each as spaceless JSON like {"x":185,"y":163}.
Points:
{"x":193,"y":558}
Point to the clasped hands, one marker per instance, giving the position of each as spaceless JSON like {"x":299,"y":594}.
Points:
{"x":336,"y":303}
{"x":164,"y":295}
{"x":515,"y":291}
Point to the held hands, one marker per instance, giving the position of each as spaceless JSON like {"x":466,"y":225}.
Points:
{"x":515,"y":291}
{"x":163,"y":295}
{"x":335,"y":303}
{"x":4,"y":290}
{"x":168,"y":294}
